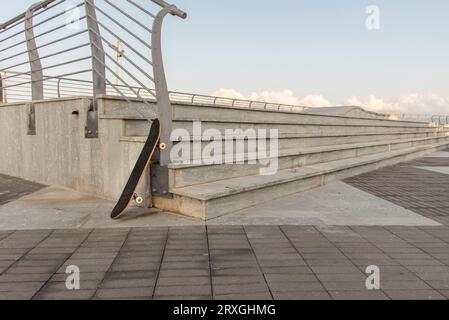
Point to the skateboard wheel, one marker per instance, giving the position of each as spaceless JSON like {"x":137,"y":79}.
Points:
{"x":162,"y":146}
{"x":139,"y":200}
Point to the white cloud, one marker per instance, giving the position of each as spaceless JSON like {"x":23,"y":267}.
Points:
{"x":283,"y":97}
{"x":411,"y":103}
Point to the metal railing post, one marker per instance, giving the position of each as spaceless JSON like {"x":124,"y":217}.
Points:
{"x":98,"y":68}
{"x":160,"y":183}
{"x":37,"y":77}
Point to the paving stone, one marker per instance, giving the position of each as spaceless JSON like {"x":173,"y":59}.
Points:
{"x":104,"y":294}
{"x":244,"y":296}
{"x":183,"y":281}
{"x":414,"y":295}
{"x":20,"y":287}
{"x":162,"y":291}
{"x":302,"y":295}
{"x":26,"y":295}
{"x":290,"y":278}
{"x":184,"y":298}
{"x":24,"y":277}
{"x":65,"y":295}
{"x":404,"y":285}
{"x":295,"y":286}
{"x":358,"y":295}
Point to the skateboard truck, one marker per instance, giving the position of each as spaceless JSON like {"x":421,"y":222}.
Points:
{"x":159,"y":176}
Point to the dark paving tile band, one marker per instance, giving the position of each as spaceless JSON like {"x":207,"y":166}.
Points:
{"x":232,"y":262}
{"x":13,"y":188}
{"x":419,"y":190}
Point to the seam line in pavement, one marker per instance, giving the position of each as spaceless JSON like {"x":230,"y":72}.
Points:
{"x":349,"y":258}
{"x":112,"y":263}
{"x":160,"y":263}
{"x":26,"y":252}
{"x":8,"y":233}
{"x":258,"y":263}
{"x":69,"y":256}
{"x":305,"y":260}
{"x":210,"y":264}
{"x":424,"y":251}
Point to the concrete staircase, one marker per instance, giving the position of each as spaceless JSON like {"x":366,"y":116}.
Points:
{"x":314,"y":149}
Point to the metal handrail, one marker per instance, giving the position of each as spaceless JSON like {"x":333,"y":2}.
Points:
{"x":104,"y":22}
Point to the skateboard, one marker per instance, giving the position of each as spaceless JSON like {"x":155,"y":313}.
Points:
{"x":129,"y":193}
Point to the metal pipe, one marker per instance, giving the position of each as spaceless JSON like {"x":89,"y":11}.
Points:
{"x":129,"y":60}
{"x":37,"y":6}
{"x":173,"y":10}
{"x":50,"y":55}
{"x":128,"y":16}
{"x":46,"y":45}
{"x":37,"y":25}
{"x":163,"y":100}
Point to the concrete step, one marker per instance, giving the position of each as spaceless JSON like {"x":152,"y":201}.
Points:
{"x":211,"y":200}
{"x":112,"y":108}
{"x":183,"y":175}
{"x":244,"y":115}
{"x":141,"y":128}
{"x":286,"y":142}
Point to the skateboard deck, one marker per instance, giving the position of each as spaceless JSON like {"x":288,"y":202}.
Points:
{"x":139,"y":170}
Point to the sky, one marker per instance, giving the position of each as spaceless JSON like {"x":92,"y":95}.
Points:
{"x":314,"y":52}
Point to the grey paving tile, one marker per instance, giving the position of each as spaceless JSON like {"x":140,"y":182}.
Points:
{"x":244,"y":296}
{"x":162,"y":291}
{"x":65,"y":295}
{"x":414,"y":295}
{"x":105,"y":294}
{"x":295,"y":286}
{"x":302,"y":295}
{"x":358,"y":295}
{"x":220,"y":289}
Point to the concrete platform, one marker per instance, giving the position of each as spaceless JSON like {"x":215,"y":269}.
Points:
{"x":335,"y":204}
{"x":338,"y":204}
{"x":159,"y":256}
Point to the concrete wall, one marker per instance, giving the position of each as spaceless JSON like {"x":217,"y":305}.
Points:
{"x":59,"y":154}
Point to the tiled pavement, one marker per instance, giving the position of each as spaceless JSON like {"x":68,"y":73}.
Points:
{"x":251,"y":262}
{"x":13,"y":188}
{"x":290,"y":262}
{"x":407,"y":185}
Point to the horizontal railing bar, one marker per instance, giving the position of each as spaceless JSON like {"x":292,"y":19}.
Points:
{"x":55,"y":65}
{"x":54,"y":77}
{"x":39,"y":23}
{"x":192,"y":97}
{"x":123,"y":27}
{"x":142,"y":9}
{"x":116,"y":75}
{"x":50,"y":55}
{"x":137,"y":109}
{"x":47,"y":44}
{"x":123,"y":41}
{"x":85,"y":83}
{"x":129,"y":16}
{"x":126,"y":58}
{"x":39,"y":35}
{"x":41,"y":5}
